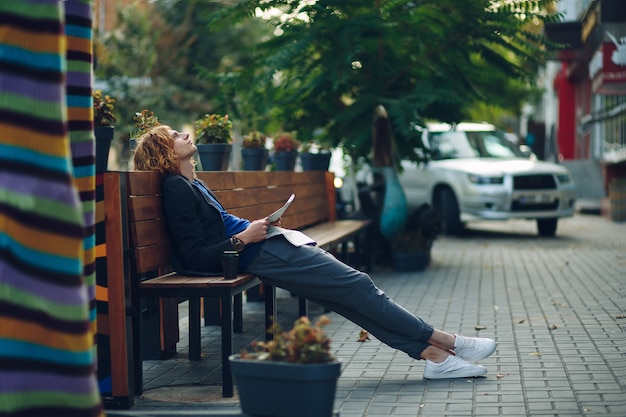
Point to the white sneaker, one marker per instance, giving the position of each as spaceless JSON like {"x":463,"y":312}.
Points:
{"x":473,"y":348}
{"x":453,"y":367}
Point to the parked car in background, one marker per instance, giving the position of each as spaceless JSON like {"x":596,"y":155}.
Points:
{"x":477,"y":173}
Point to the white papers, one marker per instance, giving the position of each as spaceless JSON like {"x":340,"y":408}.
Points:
{"x":295,"y":237}
{"x":276,"y":215}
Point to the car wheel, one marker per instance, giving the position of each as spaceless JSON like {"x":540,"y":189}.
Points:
{"x":547,"y":227}
{"x":448,"y":208}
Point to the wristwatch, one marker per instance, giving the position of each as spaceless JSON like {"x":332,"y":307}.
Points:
{"x":237,"y":244}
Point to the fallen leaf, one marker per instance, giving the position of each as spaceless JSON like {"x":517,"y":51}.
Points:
{"x":480,"y":327}
{"x":521,"y":321}
{"x":534,"y":354}
{"x":500,"y":376}
{"x":620,"y":316}
{"x":363,"y":336}
{"x":552,"y":327}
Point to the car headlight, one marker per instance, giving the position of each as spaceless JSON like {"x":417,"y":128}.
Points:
{"x":485,"y":179}
{"x":564,"y":178}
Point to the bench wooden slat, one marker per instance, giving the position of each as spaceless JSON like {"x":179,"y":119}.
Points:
{"x":249,"y":197}
{"x":143,"y":183}
{"x":145,"y":207}
{"x":151,"y":258}
{"x":334,"y":232}
{"x":176,"y":280}
{"x":149,"y":232}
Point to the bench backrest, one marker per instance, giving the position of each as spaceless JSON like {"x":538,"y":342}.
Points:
{"x":247,"y":194}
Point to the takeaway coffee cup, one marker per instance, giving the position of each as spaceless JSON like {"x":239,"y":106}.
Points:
{"x":230,"y":263}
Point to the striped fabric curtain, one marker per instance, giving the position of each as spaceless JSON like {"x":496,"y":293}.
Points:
{"x":47,"y":188}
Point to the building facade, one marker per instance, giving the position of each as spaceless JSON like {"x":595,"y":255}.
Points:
{"x":587,"y":80}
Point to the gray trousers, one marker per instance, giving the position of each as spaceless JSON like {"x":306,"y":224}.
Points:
{"x":316,"y":275}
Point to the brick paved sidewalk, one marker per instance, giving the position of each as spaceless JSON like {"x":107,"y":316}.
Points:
{"x":556,"y":307}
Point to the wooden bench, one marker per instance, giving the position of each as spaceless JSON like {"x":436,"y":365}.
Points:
{"x":138,"y":250}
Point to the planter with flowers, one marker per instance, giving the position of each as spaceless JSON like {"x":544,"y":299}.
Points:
{"x":295,"y":374}
{"x":315,"y":156}
{"x":144,"y":121}
{"x":214,"y":141}
{"x":285,"y":152}
{"x":103,"y":121}
{"x":253,"y":152}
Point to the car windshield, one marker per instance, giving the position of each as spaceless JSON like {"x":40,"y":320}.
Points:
{"x":485,"y":144}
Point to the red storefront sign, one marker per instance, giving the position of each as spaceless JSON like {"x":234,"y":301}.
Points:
{"x":611,"y":77}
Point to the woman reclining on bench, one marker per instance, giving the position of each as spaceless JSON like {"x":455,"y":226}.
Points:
{"x":201,"y":230}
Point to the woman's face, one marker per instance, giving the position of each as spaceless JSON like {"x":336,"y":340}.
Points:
{"x":183,"y":146}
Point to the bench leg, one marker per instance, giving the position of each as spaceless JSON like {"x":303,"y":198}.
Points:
{"x":344,"y":252}
{"x":212,"y":311}
{"x":270,"y":309}
{"x":194,"y":329}
{"x":256,"y":293}
{"x":227,"y":345}
{"x":303,"y":309}
{"x":358,"y":254}
{"x":238,"y":313}
{"x":137,"y":360}
{"x":370,"y":249}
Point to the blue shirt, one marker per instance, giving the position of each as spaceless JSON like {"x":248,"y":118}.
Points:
{"x":233,"y":225}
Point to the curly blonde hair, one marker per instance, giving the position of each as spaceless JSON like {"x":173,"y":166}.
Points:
{"x":155,"y":152}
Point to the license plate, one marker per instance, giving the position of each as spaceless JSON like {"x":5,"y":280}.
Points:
{"x":535,"y":199}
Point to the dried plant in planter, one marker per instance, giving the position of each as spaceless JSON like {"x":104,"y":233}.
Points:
{"x":304,"y":343}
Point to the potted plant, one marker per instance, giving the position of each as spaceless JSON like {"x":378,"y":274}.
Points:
{"x":214,"y":141}
{"x":411,"y":248}
{"x":253,"y":152}
{"x":144,"y":121}
{"x":315,"y":156}
{"x":410,"y":251}
{"x":285,"y":152}
{"x":103,"y":120}
{"x":294,"y":374}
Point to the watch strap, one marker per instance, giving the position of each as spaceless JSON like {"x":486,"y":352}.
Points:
{"x":237,"y":244}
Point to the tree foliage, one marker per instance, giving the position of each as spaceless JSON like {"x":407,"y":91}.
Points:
{"x":330,"y":63}
{"x":163,"y":56}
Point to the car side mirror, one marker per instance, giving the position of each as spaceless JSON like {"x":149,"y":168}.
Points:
{"x":527,"y":151}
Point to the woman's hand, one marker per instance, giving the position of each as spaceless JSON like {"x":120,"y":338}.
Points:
{"x":277,"y":223}
{"x":256,"y":231}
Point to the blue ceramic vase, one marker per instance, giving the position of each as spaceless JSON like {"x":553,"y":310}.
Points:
{"x":395,"y":209}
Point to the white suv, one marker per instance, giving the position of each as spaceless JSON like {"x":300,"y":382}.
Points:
{"x":477,"y":173}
